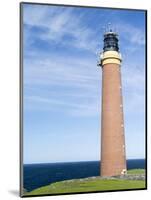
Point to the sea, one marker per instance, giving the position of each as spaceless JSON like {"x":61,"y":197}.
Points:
{"x":38,"y":175}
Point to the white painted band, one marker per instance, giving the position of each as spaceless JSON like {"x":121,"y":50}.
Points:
{"x":112,"y":57}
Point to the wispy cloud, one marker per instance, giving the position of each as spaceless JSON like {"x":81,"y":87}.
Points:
{"x":77,"y":90}
{"x":76,"y":74}
{"x":131,"y":33}
{"x":62,"y":83}
{"x":76,"y":84}
{"x":85,"y":107}
{"x":58,"y":22}
{"x":61,"y":71}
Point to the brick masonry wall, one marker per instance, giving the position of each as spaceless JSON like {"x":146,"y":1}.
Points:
{"x":113,"y":159}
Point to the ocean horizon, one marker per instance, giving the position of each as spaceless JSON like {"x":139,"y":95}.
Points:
{"x":36,"y":175}
{"x":37,"y":163}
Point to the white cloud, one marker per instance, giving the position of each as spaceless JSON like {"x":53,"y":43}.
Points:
{"x":73,"y":108}
{"x":131,"y":33}
{"x":57,"y":70}
{"x":59,"y":22}
{"x":78,"y":76}
{"x":70,"y":85}
{"x":76,"y":88}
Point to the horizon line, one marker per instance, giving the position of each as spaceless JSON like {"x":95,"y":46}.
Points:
{"x":76,"y":161}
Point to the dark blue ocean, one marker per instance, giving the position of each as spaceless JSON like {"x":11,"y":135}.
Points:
{"x":37,"y":175}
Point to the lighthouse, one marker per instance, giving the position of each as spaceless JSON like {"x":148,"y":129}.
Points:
{"x":113,"y":156}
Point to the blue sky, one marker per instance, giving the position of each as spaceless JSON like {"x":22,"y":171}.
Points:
{"x":62,"y":83}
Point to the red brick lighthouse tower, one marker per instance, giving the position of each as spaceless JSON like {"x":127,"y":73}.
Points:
{"x":113,"y":158}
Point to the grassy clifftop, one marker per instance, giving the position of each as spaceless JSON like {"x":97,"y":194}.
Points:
{"x":136,"y":171}
{"x":91,"y":184}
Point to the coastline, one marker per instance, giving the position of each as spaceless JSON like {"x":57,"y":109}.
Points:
{"x":134,"y":179}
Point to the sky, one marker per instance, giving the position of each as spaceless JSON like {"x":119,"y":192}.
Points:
{"x":62,"y":82}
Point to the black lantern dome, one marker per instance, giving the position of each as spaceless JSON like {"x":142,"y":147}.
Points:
{"x":110,"y":41}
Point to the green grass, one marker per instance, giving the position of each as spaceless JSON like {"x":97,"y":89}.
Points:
{"x":136,"y":171}
{"x":90,"y":185}
{"x":87,"y":186}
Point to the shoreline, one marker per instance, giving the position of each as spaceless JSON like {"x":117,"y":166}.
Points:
{"x":134,"y":179}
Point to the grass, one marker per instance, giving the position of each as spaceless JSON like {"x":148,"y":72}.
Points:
{"x":136,"y":171}
{"x":90,"y":185}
